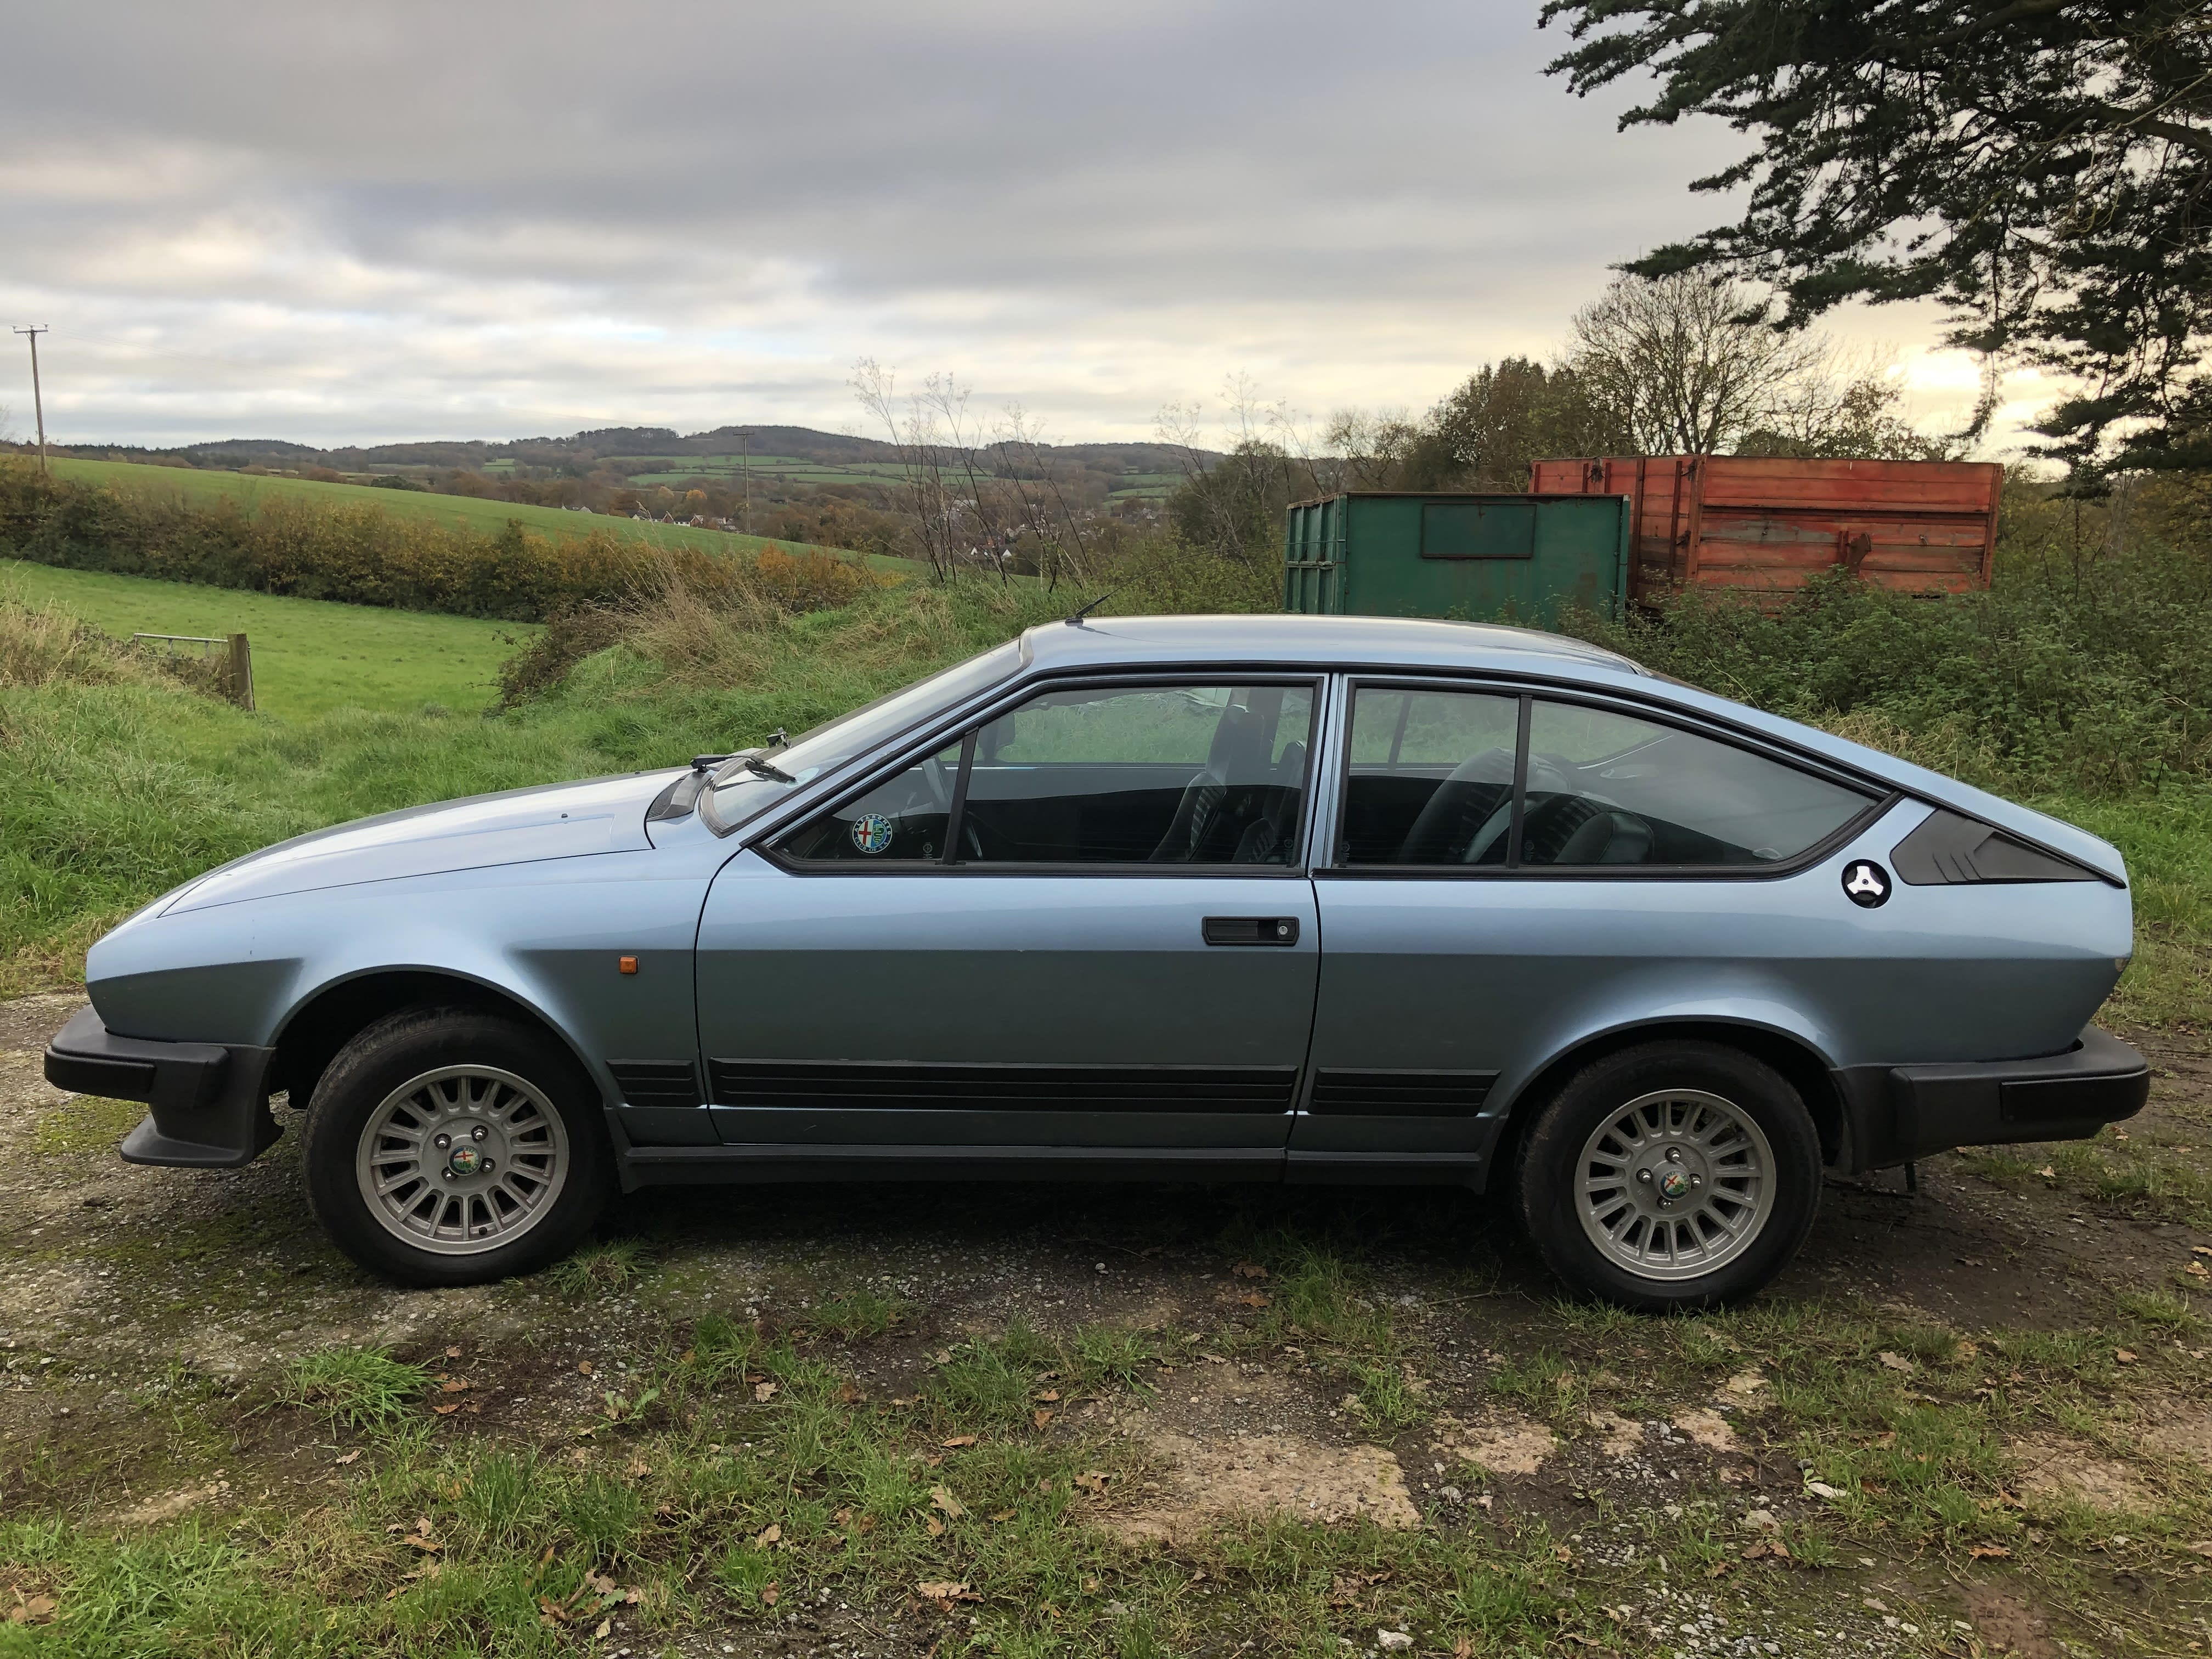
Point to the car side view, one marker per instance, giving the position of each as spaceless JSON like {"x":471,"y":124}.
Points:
{"x":1203,"y":898}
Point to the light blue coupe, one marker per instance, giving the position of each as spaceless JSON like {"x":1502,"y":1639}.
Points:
{"x":1252,"y":898}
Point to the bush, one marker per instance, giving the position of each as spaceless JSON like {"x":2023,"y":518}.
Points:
{"x":361,"y":555}
{"x":2094,"y":680}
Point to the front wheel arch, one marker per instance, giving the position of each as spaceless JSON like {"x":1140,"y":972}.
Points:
{"x":314,"y":1032}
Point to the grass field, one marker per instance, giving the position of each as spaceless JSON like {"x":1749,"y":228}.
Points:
{"x":246,"y":490}
{"x":309,"y":656}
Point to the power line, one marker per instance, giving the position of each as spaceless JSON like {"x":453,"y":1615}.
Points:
{"x":38,"y":398}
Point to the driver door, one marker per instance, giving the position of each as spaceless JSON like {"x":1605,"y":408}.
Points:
{"x":1084,"y":924}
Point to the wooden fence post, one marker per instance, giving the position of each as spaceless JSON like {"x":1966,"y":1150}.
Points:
{"x":240,"y":678}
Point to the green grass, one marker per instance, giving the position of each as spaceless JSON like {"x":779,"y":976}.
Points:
{"x":310,"y":657}
{"x":363,"y":1389}
{"x":246,"y":490}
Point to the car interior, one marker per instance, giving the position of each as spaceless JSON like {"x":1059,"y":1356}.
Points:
{"x":1061,"y":800}
{"x":1674,"y":799}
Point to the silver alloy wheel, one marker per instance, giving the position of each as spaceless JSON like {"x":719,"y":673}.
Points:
{"x":1675,"y":1184}
{"x":462,"y":1160}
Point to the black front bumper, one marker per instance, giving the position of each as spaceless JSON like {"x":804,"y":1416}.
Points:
{"x":210,"y":1102}
{"x":1900,"y":1113}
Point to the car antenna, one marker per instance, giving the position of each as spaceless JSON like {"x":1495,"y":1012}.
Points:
{"x":1089,"y":605}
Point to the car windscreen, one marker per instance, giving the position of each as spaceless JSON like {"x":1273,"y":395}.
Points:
{"x":740,"y":794}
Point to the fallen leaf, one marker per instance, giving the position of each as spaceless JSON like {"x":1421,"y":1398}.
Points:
{"x":2125,"y":1356}
{"x":605,"y":1624}
{"x":1563,"y":1553}
{"x":453,"y":1353}
{"x":849,"y":1394}
{"x":1253,"y":1299}
{"x":769,"y":1591}
{"x":353,"y":1456}
{"x":447,"y":1409}
{"x":584,"y":1366}
{"x":639,"y":1469}
{"x":417,"y":1540}
{"x":1213,"y":1358}
{"x":548,"y":1611}
{"x":945,"y":1592}
{"x":941,"y":1497}
{"x":763,"y":1392}
{"x":2048,"y":1173}
{"x":1248,"y":1270}
{"x":2198,"y":1270}
{"x":1483,"y":1500}
{"x":1092,"y":1481}
{"x":958,"y":1442}
{"x":1988,"y":1552}
{"x":935,"y":1527}
{"x":1048,"y":1396}
{"x":36,"y":1610}
{"x":1464,"y":1648}
{"x":2200,"y":1249}
{"x":1821,"y":1489}
{"x":771,"y":1533}
{"x":600,"y":1582}
{"x":456,"y":1385}
{"x":942,"y":1357}
{"x":1719,"y":1568}
{"x":1040,"y":1416}
{"x":2202,"y":1547}
{"x":1896,"y":1361}
{"x":1002,"y":1516}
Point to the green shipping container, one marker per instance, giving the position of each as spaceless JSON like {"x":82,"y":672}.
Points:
{"x":1473,"y":558}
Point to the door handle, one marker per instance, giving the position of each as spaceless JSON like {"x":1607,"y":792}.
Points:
{"x":1251,"y":930}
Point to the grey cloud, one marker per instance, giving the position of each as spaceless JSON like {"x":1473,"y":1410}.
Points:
{"x":399,"y":219}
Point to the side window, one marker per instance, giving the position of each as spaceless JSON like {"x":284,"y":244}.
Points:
{"x":901,"y":821}
{"x":1432,"y":777}
{"x":1606,"y":788}
{"x":1136,"y":774}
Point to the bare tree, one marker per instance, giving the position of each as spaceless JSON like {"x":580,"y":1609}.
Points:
{"x":936,"y":442}
{"x":1686,"y":363}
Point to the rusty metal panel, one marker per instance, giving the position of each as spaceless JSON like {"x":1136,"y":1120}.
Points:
{"x":1765,"y":527}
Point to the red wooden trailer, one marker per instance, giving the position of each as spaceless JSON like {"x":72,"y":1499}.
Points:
{"x":1766,"y":526}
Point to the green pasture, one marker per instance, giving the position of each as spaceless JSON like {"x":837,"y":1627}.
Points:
{"x":247,"y":491}
{"x":310,"y":657}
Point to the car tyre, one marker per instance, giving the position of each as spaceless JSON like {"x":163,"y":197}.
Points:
{"x":1672,"y":1175}
{"x":453,"y":1146}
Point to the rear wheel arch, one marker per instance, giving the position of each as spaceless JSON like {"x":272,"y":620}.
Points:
{"x":313,"y":1035}
{"x":1799,"y":1065}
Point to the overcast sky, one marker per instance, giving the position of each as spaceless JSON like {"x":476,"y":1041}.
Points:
{"x":488,"y":220}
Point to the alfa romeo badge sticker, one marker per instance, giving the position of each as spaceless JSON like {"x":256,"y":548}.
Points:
{"x":1866,"y":883}
{"x":872,"y":832}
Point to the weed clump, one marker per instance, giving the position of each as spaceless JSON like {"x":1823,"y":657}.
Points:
{"x":363,"y":1388}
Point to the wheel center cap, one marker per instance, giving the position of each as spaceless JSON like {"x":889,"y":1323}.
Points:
{"x":464,"y":1161}
{"x":1674,"y":1184}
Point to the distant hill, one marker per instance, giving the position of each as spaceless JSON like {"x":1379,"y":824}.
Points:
{"x":583,"y":450}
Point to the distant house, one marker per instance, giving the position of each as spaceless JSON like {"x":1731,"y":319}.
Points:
{"x":668,"y":517}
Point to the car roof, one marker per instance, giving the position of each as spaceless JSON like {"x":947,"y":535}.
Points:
{"x":1361,"y":642}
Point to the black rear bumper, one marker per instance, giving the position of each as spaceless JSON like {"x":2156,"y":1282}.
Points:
{"x":210,"y":1102}
{"x":1900,"y":1113}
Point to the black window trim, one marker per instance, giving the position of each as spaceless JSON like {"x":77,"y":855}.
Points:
{"x":982,"y":713}
{"x":1881,"y":797}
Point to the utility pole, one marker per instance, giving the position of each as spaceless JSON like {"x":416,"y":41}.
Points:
{"x":745,"y":467}
{"x":38,"y":401}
